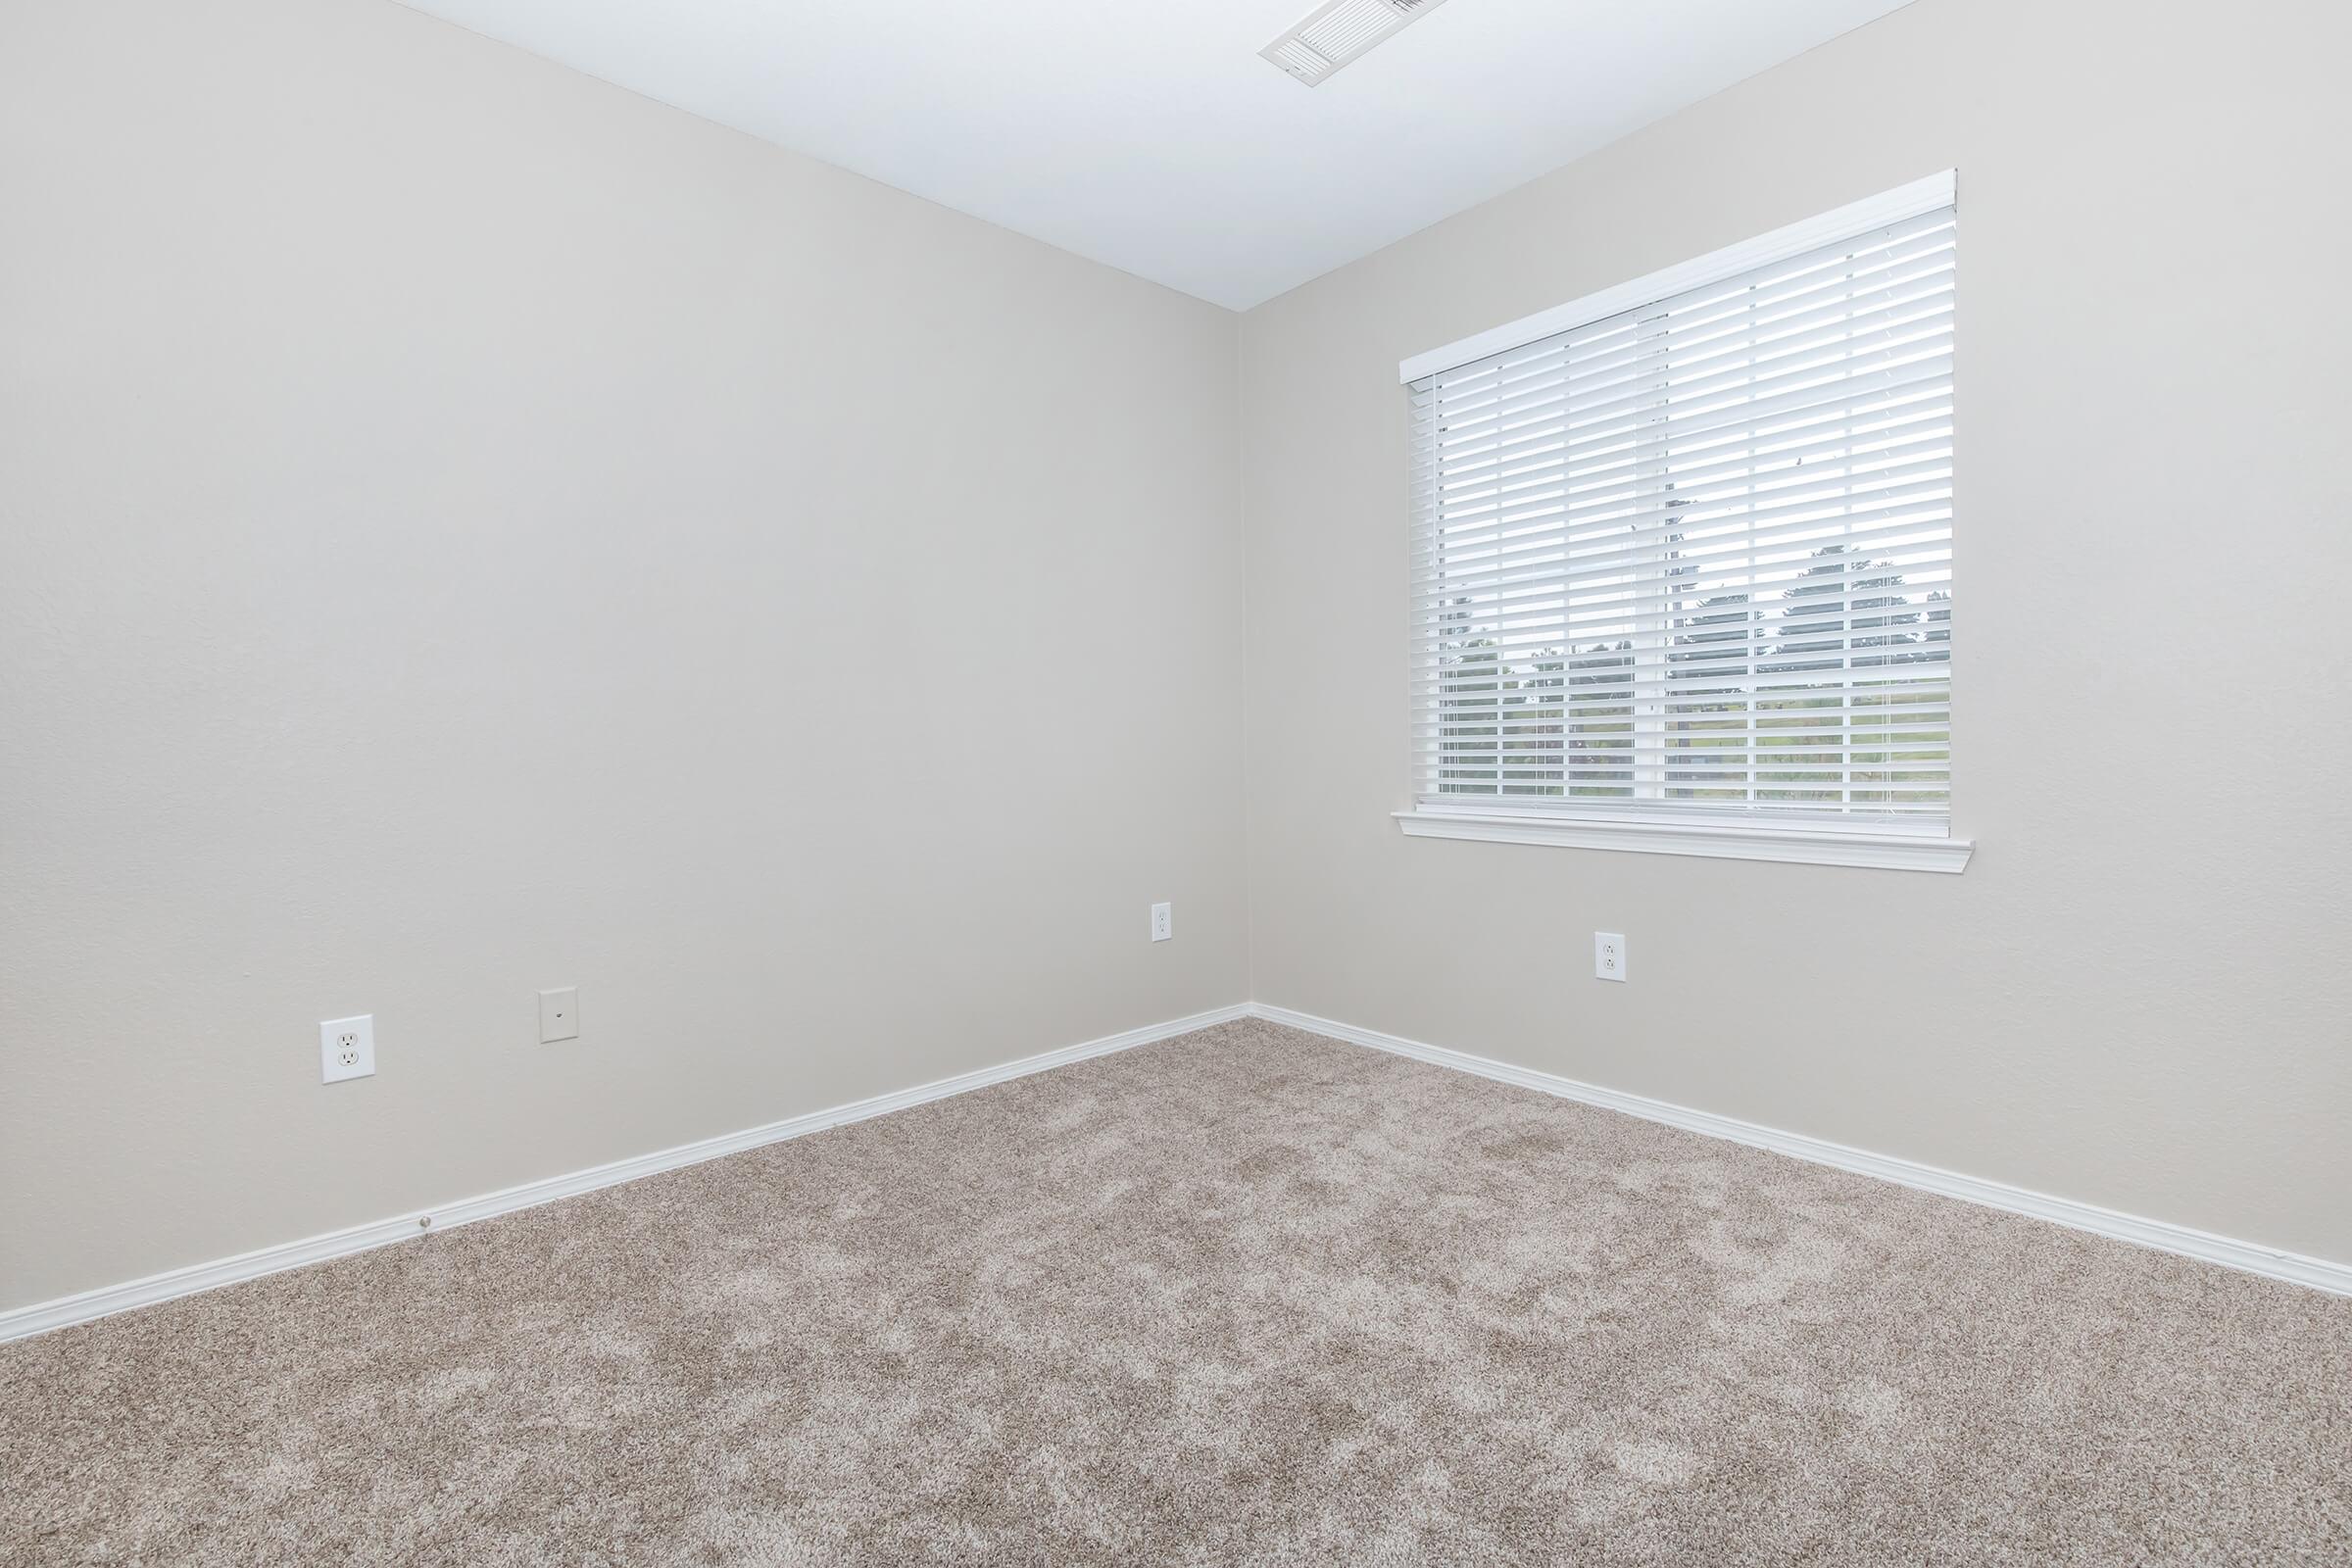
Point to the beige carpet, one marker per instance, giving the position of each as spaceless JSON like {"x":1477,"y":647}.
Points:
{"x":1248,"y":1297}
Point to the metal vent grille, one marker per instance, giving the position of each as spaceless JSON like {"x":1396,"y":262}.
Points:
{"x":1341,"y":31}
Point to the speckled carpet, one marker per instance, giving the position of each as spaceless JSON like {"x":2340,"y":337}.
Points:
{"x":1246,"y":1297}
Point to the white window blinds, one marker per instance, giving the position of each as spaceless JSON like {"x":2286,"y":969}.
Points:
{"x":1691,"y":560}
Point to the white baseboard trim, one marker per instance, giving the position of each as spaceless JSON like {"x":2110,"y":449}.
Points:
{"x":39,"y":1319}
{"x":2315,"y":1272}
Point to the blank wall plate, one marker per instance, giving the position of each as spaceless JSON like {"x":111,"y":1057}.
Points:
{"x":558,"y":1014}
{"x":347,"y":1048}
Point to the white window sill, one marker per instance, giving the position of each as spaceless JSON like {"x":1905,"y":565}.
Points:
{"x":1889,"y":851}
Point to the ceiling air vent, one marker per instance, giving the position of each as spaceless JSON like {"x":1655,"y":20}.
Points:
{"x":1341,"y":31}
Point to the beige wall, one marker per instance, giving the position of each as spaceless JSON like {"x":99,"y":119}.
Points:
{"x":465,"y":529}
{"x":2138,"y":994}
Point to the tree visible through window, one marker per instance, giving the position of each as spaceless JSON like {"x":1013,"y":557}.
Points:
{"x":1696,"y":557}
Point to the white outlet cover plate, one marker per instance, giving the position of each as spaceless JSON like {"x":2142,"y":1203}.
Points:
{"x":1163,"y":921}
{"x":558,"y":1014}
{"x":1608,"y":955}
{"x":347,"y":1048}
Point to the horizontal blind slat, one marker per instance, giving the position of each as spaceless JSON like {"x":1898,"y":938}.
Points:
{"x":1695,"y":559}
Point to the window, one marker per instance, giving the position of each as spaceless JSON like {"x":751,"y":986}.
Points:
{"x":1683,"y":556}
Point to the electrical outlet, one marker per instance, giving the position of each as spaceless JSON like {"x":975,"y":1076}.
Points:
{"x":347,"y":1048}
{"x":1608,"y":955}
{"x":1163,"y":921}
{"x":558,"y":1014}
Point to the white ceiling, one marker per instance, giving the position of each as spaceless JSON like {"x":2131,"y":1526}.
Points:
{"x":1148,"y":134}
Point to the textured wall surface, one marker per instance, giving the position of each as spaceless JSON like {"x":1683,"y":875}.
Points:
{"x":2137,"y":994}
{"x":466,"y":530}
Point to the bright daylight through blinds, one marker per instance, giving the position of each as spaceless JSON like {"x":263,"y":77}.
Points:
{"x":1693,"y":560}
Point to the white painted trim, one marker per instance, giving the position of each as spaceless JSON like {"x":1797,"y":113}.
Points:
{"x":1890,"y":207}
{"x":2318,"y":1273}
{"x":1728,"y":841}
{"x":41,"y":1317}
{"x":2297,"y":1269}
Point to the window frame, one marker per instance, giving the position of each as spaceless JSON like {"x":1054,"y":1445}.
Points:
{"x":1882,"y":841}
